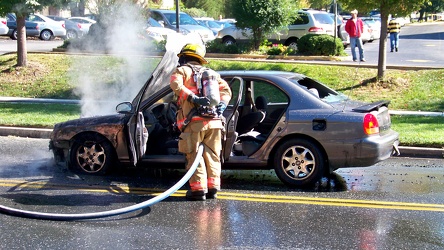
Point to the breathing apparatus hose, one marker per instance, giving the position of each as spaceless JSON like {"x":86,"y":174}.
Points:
{"x":69,"y":217}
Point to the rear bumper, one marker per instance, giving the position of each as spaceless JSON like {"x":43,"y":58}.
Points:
{"x":366,"y":152}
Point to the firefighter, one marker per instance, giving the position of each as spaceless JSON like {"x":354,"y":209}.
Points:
{"x":199,"y":118}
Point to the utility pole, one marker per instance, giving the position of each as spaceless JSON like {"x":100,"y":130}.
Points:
{"x":177,"y":16}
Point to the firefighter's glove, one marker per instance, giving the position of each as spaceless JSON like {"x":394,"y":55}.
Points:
{"x":202,"y":101}
{"x":220,"y":108}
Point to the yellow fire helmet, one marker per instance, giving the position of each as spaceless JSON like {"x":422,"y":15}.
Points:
{"x":194,"y":50}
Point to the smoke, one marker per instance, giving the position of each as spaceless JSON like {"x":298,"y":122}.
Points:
{"x":120,"y":33}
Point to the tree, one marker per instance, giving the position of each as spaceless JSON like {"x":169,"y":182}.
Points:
{"x":431,"y":6}
{"x":22,"y":8}
{"x":263,"y":17}
{"x":320,"y":4}
{"x":213,"y":8}
{"x":386,"y":7}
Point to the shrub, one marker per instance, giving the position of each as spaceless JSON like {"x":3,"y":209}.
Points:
{"x":320,"y":45}
{"x":275,"y":49}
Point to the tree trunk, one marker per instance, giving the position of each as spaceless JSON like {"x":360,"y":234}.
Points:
{"x":382,"y":46}
{"x":22,"y":51}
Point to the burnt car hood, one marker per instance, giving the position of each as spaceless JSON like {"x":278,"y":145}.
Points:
{"x":94,"y":121}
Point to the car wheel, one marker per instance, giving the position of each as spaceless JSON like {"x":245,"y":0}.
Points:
{"x":292,"y":43}
{"x":46,"y":35}
{"x":228,"y":41}
{"x":71,"y":34}
{"x":14,"y":35}
{"x":91,"y":154}
{"x":299,"y":162}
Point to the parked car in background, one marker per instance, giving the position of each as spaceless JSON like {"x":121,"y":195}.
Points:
{"x":375,"y":25}
{"x":211,"y":24}
{"x":37,"y":25}
{"x":167,"y":18}
{"x":366,"y":33}
{"x":3,"y":26}
{"x":297,"y":126}
{"x":156,"y":31}
{"x":73,"y":29}
{"x":32,"y":28}
{"x":84,"y":21}
{"x":341,"y":33}
{"x":307,"y":22}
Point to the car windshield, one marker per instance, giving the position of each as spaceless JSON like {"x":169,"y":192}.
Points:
{"x":153,"y":23}
{"x":320,"y":90}
{"x":185,"y":19}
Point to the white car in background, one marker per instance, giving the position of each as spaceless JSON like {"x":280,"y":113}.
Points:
{"x":307,"y":22}
{"x":167,"y":18}
{"x":156,"y":31}
{"x":48,"y":27}
{"x":3,"y":26}
{"x":84,"y":21}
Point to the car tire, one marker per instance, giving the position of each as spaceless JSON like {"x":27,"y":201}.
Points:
{"x":91,"y":154}
{"x":46,"y":35}
{"x":70,"y":34}
{"x":14,"y":35}
{"x":299,"y":163}
{"x":292,"y":43}
{"x":228,"y":41}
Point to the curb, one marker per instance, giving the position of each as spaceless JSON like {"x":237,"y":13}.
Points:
{"x":44,"y":133}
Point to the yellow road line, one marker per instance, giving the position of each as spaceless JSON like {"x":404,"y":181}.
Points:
{"x":20,"y":185}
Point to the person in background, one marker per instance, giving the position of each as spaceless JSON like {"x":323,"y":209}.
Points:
{"x":393,"y":29}
{"x":354,"y":27}
{"x":199,"y":119}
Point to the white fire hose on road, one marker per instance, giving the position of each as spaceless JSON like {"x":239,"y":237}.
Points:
{"x":142,"y":205}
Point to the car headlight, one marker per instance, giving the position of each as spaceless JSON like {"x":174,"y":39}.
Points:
{"x":184,"y":31}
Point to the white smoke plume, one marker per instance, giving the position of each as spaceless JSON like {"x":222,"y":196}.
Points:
{"x":101,"y":89}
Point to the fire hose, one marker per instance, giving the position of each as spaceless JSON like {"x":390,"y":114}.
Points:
{"x":142,"y":205}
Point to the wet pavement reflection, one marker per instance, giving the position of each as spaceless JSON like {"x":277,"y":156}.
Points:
{"x":395,"y":204}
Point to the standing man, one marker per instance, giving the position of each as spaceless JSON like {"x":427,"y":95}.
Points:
{"x":199,"y":118}
{"x":394,"y":28}
{"x":354,"y":28}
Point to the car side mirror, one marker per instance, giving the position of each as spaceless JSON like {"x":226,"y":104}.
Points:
{"x":124,"y":108}
{"x":162,"y":23}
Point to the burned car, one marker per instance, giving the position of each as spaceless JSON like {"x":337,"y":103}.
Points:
{"x":284,"y":121}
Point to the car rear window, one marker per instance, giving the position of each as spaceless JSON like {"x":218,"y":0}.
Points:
{"x":323,"y":18}
{"x":320,"y":90}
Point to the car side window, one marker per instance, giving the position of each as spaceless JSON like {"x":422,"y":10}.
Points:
{"x":301,"y":19}
{"x":270,"y":91}
{"x":156,"y":16}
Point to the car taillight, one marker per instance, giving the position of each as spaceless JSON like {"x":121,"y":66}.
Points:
{"x":371,"y":125}
{"x":63,"y":25}
{"x":4,"y":22}
{"x":79,"y":26}
{"x":315,"y":29}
